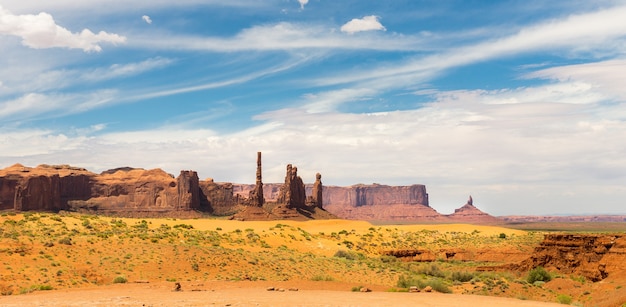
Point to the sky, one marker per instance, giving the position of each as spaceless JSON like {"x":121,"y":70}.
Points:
{"x":521,"y":104}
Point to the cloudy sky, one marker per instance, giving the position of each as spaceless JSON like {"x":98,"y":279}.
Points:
{"x":521,"y":104}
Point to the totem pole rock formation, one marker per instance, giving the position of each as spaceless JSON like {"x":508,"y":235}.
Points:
{"x":256,"y":196}
{"x":317,"y":191}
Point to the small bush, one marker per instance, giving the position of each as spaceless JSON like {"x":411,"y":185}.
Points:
{"x":538,"y":274}
{"x":438,"y":285}
{"x":564,"y":299}
{"x":187,"y":226}
{"x":345,"y":254}
{"x":322,"y":278}
{"x":462,"y":276}
{"x":502,"y":235}
{"x":120,"y":280}
{"x":431,"y":270}
{"x":66,"y":241}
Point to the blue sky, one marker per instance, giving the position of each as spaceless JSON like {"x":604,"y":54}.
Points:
{"x":521,"y":104}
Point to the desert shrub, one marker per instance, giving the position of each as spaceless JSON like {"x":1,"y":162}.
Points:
{"x":345,"y":254}
{"x":120,"y":280}
{"x":538,"y":274}
{"x":356,"y":288}
{"x":437,"y":285}
{"x":462,"y":276}
{"x":502,"y":235}
{"x":187,"y":226}
{"x":44,"y":287}
{"x":66,"y":241}
{"x":388,"y":259}
{"x":407,"y":281}
{"x":431,"y":270}
{"x":564,"y":299}
{"x":322,"y":278}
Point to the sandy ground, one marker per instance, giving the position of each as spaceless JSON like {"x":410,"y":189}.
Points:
{"x":247,"y":294}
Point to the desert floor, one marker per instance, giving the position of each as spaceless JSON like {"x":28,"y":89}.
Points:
{"x":249,"y":294}
{"x":70,"y":259}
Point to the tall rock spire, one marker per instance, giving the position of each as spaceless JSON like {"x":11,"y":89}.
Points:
{"x":256,"y":195}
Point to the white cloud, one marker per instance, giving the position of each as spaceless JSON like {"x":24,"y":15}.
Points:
{"x":40,"y":31}
{"x":147,"y":19}
{"x":303,"y":3}
{"x":367,"y":23}
{"x":109,"y":6}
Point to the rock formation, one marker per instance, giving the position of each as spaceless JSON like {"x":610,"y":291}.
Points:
{"x":594,"y":256}
{"x":62,"y":187}
{"x":256,"y":196}
{"x":468,"y":213}
{"x":317,"y":192}
{"x":143,"y":192}
{"x":292,"y":193}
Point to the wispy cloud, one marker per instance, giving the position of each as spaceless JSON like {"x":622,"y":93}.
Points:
{"x":125,"y":69}
{"x":591,"y":32}
{"x":284,"y":36}
{"x":41,"y":31}
{"x":36,"y":105}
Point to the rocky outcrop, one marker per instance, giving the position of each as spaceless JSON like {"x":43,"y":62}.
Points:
{"x":292,"y":194}
{"x":594,"y":256}
{"x":317,"y":195}
{"x":468,"y":213}
{"x":62,"y":187}
{"x":218,"y":198}
{"x":43,"y":188}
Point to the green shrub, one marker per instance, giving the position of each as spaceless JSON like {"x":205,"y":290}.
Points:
{"x":66,"y":241}
{"x":462,"y":276}
{"x":345,"y":254}
{"x":431,"y":270}
{"x":120,"y":280}
{"x":502,"y":235}
{"x":322,"y":278}
{"x":438,"y":285}
{"x":538,"y":274}
{"x":564,"y":299}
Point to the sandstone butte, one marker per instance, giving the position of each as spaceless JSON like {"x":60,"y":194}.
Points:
{"x":138,"y":192}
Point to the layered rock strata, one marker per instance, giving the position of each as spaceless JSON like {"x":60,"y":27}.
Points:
{"x":594,"y":256}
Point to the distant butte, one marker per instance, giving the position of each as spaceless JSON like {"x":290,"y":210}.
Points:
{"x":138,"y":192}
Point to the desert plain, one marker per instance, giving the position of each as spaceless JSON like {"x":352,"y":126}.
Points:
{"x":71,"y":259}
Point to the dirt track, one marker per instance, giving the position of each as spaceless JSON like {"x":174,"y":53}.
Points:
{"x":246,"y":294}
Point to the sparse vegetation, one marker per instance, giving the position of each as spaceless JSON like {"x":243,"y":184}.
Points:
{"x":538,"y":274}
{"x":120,"y":280}
{"x":36,"y":250}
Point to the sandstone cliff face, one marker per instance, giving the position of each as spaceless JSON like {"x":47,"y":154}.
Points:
{"x":593,"y":256}
{"x":369,"y":195}
{"x":64,"y":187}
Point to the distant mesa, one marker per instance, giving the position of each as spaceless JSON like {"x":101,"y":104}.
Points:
{"x":137,"y":192}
